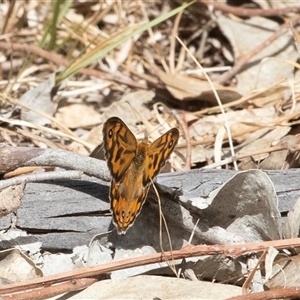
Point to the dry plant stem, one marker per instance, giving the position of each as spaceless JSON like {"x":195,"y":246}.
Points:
{"x":151,"y":79}
{"x":296,"y":38}
{"x":245,"y":99}
{"x":182,"y":264}
{"x":188,"y":159}
{"x":51,"y":291}
{"x":37,"y":138}
{"x":37,"y":177}
{"x":203,"y":43}
{"x":238,"y":156}
{"x":292,"y":156}
{"x":284,"y":146}
{"x":15,"y":157}
{"x":243,"y":59}
{"x":173,"y":42}
{"x":186,"y":252}
{"x":145,"y":15}
{"x":43,"y":128}
{"x":210,"y":140}
{"x":226,"y":124}
{"x":246,"y":12}
{"x":62,"y":127}
{"x":249,"y":279}
{"x":58,"y":60}
{"x":24,"y":171}
{"x":5,"y":28}
{"x":276,"y":293}
{"x":281,"y":121}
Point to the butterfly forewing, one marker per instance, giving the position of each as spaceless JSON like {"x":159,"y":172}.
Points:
{"x":133,"y":166}
{"x":120,"y":146}
{"x":159,"y":152}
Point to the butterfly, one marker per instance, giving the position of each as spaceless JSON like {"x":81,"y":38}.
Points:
{"x":133,"y":165}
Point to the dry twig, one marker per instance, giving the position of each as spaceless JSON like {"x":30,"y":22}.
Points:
{"x":59,"y":60}
{"x":243,"y":59}
{"x":186,"y":252}
{"x":251,"y":12}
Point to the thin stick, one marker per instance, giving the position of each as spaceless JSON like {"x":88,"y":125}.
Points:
{"x":232,"y":250}
{"x":239,"y":156}
{"x":16,"y":157}
{"x":188,"y":157}
{"x":247,"y":12}
{"x":45,"y":129}
{"x":173,"y":42}
{"x":217,"y":98}
{"x":38,"y":177}
{"x":59,"y":60}
{"x":243,"y":59}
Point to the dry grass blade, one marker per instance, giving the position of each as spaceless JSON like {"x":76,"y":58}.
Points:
{"x":226,"y":124}
{"x":113,"y":42}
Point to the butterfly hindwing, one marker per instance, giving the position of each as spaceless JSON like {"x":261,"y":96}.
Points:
{"x":133,"y":165}
{"x":124,"y":211}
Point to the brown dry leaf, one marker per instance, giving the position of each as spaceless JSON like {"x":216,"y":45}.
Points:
{"x":251,"y":211}
{"x":270,"y":100}
{"x":267,"y":161}
{"x":187,"y":87}
{"x":10,"y":199}
{"x":17,"y":267}
{"x":275,"y":4}
{"x":78,"y":115}
{"x":130,"y":113}
{"x":133,"y":112}
{"x":292,"y":158}
{"x":285,"y":273}
{"x":39,"y":98}
{"x":242,"y":124}
{"x":244,"y":36}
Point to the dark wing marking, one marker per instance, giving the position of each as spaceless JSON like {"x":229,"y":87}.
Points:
{"x":158,"y":154}
{"x":119,"y":145}
{"x":125,"y":211}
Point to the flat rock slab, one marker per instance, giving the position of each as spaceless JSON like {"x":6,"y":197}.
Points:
{"x":64,"y":214}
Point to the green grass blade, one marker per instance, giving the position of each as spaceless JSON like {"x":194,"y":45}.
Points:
{"x":59,"y":10}
{"x":113,"y":42}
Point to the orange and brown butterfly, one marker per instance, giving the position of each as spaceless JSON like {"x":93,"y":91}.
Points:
{"x":133,"y":165}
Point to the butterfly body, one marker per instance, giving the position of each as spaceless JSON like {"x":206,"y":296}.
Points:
{"x":133,"y":165}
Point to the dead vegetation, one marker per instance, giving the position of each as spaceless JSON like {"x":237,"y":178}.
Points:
{"x":225,"y":75}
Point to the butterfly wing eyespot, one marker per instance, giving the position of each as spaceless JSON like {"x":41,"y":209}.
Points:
{"x":119,"y":145}
{"x":110,"y":133}
{"x":132,"y":165}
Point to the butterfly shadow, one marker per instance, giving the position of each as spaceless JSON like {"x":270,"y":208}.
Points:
{"x":93,"y":187}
